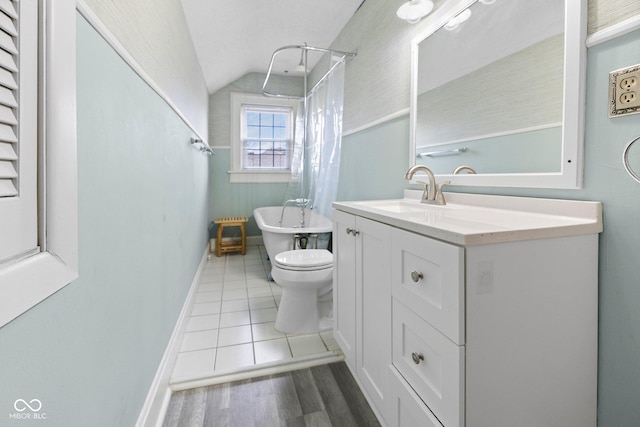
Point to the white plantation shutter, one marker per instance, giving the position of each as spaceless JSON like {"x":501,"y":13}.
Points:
{"x":18,"y":128}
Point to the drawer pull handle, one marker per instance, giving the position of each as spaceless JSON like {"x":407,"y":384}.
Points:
{"x":417,"y":357}
{"x":416,"y":277}
{"x":352,"y":231}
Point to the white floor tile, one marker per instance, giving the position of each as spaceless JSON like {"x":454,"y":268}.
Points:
{"x":200,"y":309}
{"x":234,"y":357}
{"x":236,"y":318}
{"x":265,"y":331}
{"x":194,"y":363}
{"x":276,"y":289}
{"x":200,"y":323}
{"x":199,"y":340}
{"x":234,"y":294}
{"x":212,"y":277}
{"x":257,"y":283}
{"x":219,"y":334}
{"x":237,"y":284}
{"x":264,"y":315}
{"x":210,"y":296}
{"x":210,"y":287}
{"x":272,"y":350}
{"x":261,"y":303}
{"x":234,"y":335}
{"x":263,"y":291}
{"x":305,"y":345}
{"x":234,"y":305}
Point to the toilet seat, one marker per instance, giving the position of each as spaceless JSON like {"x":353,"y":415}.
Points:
{"x":304,"y":260}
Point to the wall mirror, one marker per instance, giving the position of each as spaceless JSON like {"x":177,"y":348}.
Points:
{"x":498,"y":85}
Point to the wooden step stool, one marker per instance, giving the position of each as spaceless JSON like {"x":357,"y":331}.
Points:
{"x":234,"y":245}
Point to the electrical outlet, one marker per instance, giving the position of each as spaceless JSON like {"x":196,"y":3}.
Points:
{"x":624,"y":91}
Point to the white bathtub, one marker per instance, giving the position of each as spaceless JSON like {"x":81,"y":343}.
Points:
{"x":281,"y":237}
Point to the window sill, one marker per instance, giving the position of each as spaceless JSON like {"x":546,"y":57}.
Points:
{"x":262,"y":177}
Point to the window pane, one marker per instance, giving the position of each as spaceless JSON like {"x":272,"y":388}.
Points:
{"x":253,"y":132}
{"x":280,"y":133}
{"x":266,"y":119}
{"x":253,"y":118}
{"x":280,"y":120}
{"x":266,"y":132}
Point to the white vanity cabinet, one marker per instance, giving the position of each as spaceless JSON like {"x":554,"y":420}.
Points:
{"x":362,"y":305}
{"x":479,"y":327}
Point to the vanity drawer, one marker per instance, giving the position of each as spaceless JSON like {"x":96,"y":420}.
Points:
{"x":408,"y":410}
{"x":431,"y":363}
{"x":428,"y":277}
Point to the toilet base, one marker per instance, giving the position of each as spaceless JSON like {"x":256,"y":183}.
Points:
{"x":302,"y":313}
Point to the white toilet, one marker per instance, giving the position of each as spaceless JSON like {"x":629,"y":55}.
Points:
{"x":306,"y":277}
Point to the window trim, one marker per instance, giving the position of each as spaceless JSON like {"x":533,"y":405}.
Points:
{"x":236,"y":173}
{"x":29,"y":281}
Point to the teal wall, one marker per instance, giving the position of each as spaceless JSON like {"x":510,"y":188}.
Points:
{"x":239,"y":199}
{"x":373,"y":162}
{"x":90,"y":351}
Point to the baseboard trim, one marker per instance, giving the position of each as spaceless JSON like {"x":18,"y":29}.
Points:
{"x":157,"y":401}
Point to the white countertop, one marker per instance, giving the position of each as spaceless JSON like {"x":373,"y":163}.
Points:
{"x":475,"y":219}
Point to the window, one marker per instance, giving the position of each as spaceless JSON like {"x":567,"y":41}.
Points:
{"x":38,"y":245}
{"x":266,"y":137}
{"x":261,"y":138}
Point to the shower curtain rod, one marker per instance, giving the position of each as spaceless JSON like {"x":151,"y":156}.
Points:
{"x":305,"y":48}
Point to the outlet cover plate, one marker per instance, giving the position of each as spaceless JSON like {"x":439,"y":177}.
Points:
{"x":624,"y":98}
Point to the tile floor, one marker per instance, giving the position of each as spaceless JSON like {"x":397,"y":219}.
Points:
{"x":231,"y":326}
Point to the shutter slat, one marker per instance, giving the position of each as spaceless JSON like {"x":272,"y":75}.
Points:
{"x":7,"y":79}
{"x":7,"y":170}
{"x":7,"y":7}
{"x":7,"y":24}
{"x":7,"y":189}
{"x":7,"y":61}
{"x":7,"y":116}
{"x":8,"y":43}
{"x":7,"y":152}
{"x":8,"y":97}
{"x":7,"y":134}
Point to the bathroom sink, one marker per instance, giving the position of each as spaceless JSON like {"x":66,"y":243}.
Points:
{"x":479,"y":219}
{"x":399,"y":206}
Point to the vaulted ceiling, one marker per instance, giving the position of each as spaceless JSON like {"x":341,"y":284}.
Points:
{"x":233,"y":38}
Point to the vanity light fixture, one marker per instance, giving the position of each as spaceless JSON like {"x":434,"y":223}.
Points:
{"x":414,"y":10}
{"x":488,"y":1}
{"x":457,"y":20}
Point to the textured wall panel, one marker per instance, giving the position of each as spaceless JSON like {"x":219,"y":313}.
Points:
{"x":155,"y":33}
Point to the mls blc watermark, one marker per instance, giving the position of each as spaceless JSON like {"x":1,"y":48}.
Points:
{"x":27,"y":410}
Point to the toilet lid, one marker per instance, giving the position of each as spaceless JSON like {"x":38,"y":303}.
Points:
{"x":307,"y":259}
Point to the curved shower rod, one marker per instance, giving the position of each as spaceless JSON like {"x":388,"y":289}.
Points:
{"x":305,"y":48}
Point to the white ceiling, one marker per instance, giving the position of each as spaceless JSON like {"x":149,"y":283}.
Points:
{"x":233,"y":38}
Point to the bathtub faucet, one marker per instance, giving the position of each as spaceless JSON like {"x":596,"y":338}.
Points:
{"x":301,"y":203}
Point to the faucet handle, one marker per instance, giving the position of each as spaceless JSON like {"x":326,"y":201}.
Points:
{"x":425,"y":192}
{"x":439,"y":196}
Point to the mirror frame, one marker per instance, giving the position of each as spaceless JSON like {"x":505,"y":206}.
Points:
{"x":573,"y":100}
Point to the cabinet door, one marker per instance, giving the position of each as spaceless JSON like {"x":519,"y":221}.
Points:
{"x":407,"y":410}
{"x":373,"y":308}
{"x":344,"y":285}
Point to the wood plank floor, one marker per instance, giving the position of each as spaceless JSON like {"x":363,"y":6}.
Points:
{"x":324,"y":395}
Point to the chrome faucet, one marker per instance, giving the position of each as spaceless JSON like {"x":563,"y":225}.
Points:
{"x":463,"y":168}
{"x":300,"y":203}
{"x":432,"y":193}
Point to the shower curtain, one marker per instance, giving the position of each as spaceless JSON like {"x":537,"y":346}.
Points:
{"x":316,"y":153}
